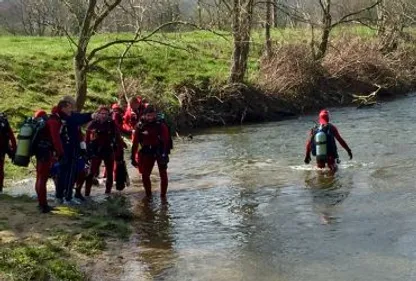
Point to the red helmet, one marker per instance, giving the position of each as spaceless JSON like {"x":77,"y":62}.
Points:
{"x":40,"y":113}
{"x":116,"y":106}
{"x":324,"y":117}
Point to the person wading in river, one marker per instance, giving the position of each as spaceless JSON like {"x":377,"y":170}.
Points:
{"x":154,"y":138}
{"x":321,"y":143}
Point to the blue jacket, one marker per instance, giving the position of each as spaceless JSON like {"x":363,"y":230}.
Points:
{"x":71,"y":138}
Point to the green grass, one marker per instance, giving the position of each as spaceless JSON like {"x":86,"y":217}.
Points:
{"x":54,"y":254}
{"x":40,"y":261}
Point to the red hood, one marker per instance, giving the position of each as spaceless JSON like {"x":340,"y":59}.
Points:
{"x":324,"y":117}
{"x":40,"y":113}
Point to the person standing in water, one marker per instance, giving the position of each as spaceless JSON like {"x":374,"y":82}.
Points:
{"x":321,"y":143}
{"x":153,"y":136}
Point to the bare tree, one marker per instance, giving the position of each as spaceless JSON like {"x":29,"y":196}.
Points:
{"x":269,"y":5}
{"x":242,"y":13}
{"x":327,"y":25}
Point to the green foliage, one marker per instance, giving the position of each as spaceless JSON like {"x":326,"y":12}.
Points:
{"x":41,"y":261}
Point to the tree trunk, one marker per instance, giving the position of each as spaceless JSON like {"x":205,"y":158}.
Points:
{"x":199,"y":13}
{"x":275,"y":14}
{"x":81,"y":70}
{"x":326,"y":31}
{"x":242,"y":17}
{"x":381,"y":18}
{"x":268,"y":25}
{"x":323,"y":46}
{"x":235,"y":75}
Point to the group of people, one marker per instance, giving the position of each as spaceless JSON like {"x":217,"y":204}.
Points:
{"x":73,"y":159}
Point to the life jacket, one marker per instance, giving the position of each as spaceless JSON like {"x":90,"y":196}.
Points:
{"x":323,"y":142}
{"x":4,"y":132}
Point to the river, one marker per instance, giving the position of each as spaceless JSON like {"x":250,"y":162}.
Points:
{"x":243,"y":206}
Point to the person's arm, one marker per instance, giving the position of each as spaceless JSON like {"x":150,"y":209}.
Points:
{"x":54,"y":130}
{"x":80,"y":119}
{"x":12,"y":140}
{"x":341,"y":141}
{"x":135,"y":147}
{"x":308,"y":148}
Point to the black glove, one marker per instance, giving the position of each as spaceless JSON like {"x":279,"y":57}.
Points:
{"x":134,"y":162}
{"x":350,"y":154}
{"x":307,"y":159}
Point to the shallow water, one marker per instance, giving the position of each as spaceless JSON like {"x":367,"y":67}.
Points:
{"x":242,"y":206}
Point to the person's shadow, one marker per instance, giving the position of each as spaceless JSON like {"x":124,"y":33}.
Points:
{"x":154,"y":229}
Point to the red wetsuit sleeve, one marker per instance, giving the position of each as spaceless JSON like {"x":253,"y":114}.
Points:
{"x":340,"y":139}
{"x":135,"y":145}
{"x":54,"y":130}
{"x":127,"y":120}
{"x":164,"y":135}
{"x":12,"y":140}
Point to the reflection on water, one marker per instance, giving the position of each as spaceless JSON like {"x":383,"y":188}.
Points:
{"x":154,"y":232}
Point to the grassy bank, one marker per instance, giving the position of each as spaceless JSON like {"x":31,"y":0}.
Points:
{"x":36,"y":71}
{"x":63,"y":245}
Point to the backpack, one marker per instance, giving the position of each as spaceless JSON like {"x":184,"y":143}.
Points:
{"x":331,"y":147}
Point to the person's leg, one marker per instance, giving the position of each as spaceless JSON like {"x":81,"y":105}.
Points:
{"x":320,"y":164}
{"x":119,"y":168}
{"x":2,"y":156}
{"x":94,"y":167}
{"x":61,"y":180}
{"x":109,"y":167}
{"x":332,"y":165}
{"x":82,"y":174}
{"x":42,"y":174}
{"x":72,"y":177}
{"x":145,"y":168}
{"x":163,"y":172}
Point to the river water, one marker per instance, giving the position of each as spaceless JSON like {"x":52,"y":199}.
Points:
{"x":242,"y":206}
